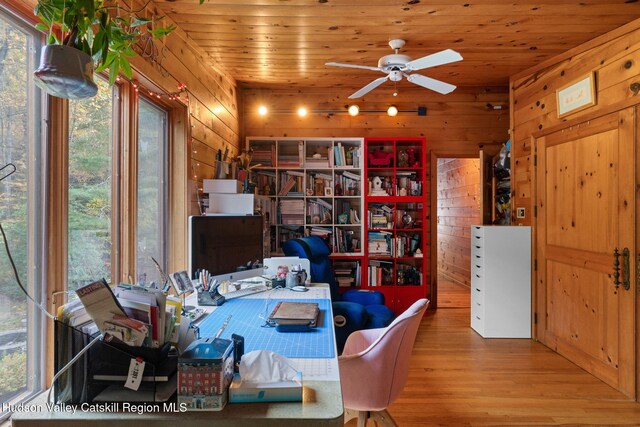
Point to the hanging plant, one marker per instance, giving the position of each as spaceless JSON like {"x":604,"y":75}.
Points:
{"x":88,"y":35}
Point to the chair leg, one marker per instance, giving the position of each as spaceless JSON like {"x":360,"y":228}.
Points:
{"x":362,"y":418}
{"x":349,"y":414}
{"x":383,"y":419}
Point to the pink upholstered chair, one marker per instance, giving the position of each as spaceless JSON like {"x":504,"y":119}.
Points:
{"x":375,"y":364}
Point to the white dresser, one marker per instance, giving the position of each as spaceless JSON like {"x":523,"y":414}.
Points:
{"x":501,"y":281}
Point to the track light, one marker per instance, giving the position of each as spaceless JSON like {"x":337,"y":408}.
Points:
{"x":354,"y":110}
{"x":392,"y":111}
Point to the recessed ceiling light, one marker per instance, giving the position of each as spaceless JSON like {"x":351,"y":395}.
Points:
{"x":262,"y":110}
{"x":354,"y":110}
{"x":302,"y":111}
{"x":392,"y":111}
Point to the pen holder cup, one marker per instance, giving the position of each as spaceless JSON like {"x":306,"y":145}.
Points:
{"x":205,"y":298}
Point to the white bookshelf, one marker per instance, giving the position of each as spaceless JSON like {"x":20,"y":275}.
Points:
{"x":299,"y":177}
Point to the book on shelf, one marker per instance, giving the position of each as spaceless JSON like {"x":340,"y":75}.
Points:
{"x":351,"y":175}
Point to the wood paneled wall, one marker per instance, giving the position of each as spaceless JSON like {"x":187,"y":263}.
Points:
{"x":458,"y":206}
{"x":456,"y":124}
{"x":213,"y":119}
{"x":615,"y":60}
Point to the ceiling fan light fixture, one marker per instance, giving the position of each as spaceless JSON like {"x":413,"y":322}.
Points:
{"x":392,"y":111}
{"x":262,"y":110}
{"x":354,"y":110}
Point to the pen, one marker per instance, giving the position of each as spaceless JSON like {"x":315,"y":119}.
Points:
{"x":224,"y":325}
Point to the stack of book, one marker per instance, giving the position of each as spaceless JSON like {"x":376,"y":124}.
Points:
{"x":265,"y":156}
{"x":292,"y":159}
{"x":292,"y":212}
{"x":380,"y":216}
{"x":380,"y":243}
{"x":347,"y":273}
{"x":291,"y":183}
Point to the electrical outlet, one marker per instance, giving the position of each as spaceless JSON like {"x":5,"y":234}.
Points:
{"x":519,"y":212}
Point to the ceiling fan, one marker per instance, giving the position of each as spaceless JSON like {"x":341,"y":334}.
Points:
{"x":397,"y":65}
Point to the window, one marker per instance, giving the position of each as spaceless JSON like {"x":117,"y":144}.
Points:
{"x":21,"y":324}
{"x":152,"y":191}
{"x":91,"y":163}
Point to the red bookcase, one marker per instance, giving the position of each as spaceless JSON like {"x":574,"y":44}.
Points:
{"x":395,"y":259}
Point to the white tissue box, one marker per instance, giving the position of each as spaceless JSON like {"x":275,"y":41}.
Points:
{"x":284,"y":391}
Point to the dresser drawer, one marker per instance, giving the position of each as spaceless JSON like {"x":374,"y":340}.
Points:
{"x":477,"y":309}
{"x":477,"y":231}
{"x":477,"y":293}
{"x":476,"y":250}
{"x":477,"y":268}
{"x":477,"y":323}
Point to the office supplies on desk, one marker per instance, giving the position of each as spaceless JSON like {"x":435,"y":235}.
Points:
{"x":246,"y":291}
{"x":249,"y":315}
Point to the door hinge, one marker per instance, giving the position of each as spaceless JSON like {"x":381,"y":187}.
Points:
{"x":535,"y":318}
{"x":535,"y":211}
{"x":535,"y":265}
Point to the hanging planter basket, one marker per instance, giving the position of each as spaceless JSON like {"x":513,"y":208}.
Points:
{"x":65,"y":72}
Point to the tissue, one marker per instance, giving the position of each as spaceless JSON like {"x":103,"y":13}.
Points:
{"x":264,"y":366}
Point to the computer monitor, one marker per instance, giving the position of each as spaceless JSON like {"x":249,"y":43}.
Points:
{"x":227,"y":246}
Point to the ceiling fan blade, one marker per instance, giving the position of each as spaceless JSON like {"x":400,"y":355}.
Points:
{"x":429,"y":83}
{"x":363,"y":67}
{"x":443,"y":57}
{"x":368,"y":88}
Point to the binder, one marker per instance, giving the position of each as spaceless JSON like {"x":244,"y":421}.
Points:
{"x":304,"y":313}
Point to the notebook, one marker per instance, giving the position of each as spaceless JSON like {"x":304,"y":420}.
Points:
{"x":298,"y":312}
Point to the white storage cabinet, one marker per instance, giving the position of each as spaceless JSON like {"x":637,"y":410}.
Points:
{"x":501,"y":281}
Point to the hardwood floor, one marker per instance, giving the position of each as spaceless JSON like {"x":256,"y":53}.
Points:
{"x":452,"y":295}
{"x":458,"y":378}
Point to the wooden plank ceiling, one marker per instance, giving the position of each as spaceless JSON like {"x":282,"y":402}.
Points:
{"x":265,"y":43}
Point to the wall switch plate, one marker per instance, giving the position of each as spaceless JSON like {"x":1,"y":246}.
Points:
{"x":519,"y":212}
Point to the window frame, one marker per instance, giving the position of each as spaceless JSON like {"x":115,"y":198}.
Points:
{"x":166,"y":190}
{"x":36,"y":224}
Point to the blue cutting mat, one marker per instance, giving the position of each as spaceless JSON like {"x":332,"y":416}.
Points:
{"x":248,"y":318}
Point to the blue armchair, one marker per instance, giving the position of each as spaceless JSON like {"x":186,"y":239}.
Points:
{"x":353,"y":310}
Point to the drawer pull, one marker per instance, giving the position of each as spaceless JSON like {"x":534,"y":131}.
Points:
{"x":477,"y":303}
{"x":478,"y":290}
{"x":479,"y":266}
{"x":478,"y":276}
{"x":478,"y":237}
{"x":478,"y":247}
{"x":478,"y":256}
{"x":478,"y":318}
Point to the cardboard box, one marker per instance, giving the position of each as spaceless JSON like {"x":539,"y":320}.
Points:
{"x":284,"y":391}
{"x":205,"y":370}
{"x":232,"y":186}
{"x":239,"y":204}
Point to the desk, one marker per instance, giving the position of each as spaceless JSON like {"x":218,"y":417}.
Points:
{"x":321,"y":406}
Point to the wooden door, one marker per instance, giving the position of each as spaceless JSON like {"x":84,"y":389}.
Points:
{"x":585,"y":198}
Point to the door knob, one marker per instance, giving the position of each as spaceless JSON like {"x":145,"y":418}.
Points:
{"x":626,"y":282}
{"x":616,"y":268}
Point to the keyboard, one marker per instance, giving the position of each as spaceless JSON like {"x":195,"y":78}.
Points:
{"x":245,"y":291}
